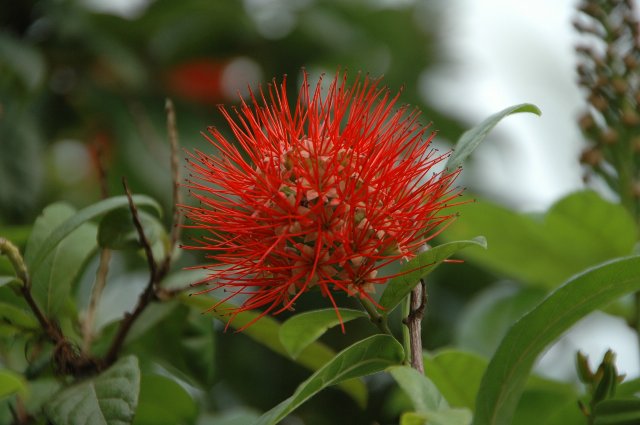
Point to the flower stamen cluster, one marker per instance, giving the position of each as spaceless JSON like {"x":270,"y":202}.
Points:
{"x":321,"y":195}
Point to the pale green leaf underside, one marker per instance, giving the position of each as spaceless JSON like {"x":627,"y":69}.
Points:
{"x":470,"y":139}
{"x":302,"y":329}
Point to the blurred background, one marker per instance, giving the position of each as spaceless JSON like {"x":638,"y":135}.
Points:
{"x":84,"y":81}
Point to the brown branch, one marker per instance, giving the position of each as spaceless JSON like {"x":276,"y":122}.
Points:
{"x":414,"y":322}
{"x":151,"y":262}
{"x":149,"y":293}
{"x":66,"y":358}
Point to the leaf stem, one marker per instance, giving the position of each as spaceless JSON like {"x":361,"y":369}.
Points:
{"x":406,"y":310}
{"x":378,"y":319}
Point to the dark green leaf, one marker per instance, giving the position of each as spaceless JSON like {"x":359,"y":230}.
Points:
{"x":470,"y":140}
{"x":110,"y":398}
{"x":577,"y":232}
{"x":164,"y":402}
{"x":43,"y":249}
{"x":365,"y":357}
{"x":302,"y":329}
{"x":504,"y":380}
{"x":116,"y":230}
{"x":417,"y":268}
{"x":266,"y":331}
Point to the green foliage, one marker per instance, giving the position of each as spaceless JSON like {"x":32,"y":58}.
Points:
{"x":365,"y":357}
{"x":617,"y":412}
{"x":457,"y":375}
{"x":164,"y":402}
{"x":302,"y":329}
{"x":110,"y":398}
{"x":430,"y":406}
{"x":44,"y":246}
{"x":472,"y":138}
{"x":11,"y":383}
{"x":51,"y":282}
{"x":577,"y":232}
{"x":266,"y":331}
{"x":417,"y":268}
{"x":509,"y":368}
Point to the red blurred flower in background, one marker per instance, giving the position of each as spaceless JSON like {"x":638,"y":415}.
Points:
{"x":320,"y":193}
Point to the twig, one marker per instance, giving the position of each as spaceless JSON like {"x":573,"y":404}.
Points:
{"x":149,"y":293}
{"x":176,"y":228}
{"x":151,"y":262}
{"x":414,"y":323}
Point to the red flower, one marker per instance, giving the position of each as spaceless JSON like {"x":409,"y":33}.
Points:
{"x":321,"y":193}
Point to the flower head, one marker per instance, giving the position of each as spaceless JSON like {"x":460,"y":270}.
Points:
{"x":321,"y":193}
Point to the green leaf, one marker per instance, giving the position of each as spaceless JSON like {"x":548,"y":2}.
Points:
{"x":440,"y":417}
{"x":110,"y":398}
{"x":302,"y":329}
{"x":417,"y":268}
{"x":266,"y":331}
{"x":628,"y":388}
{"x":164,"y":402}
{"x":51,"y":283}
{"x":457,"y":375}
{"x":117,"y":231}
{"x":470,"y":140}
{"x":577,"y":232}
{"x":48,"y":244}
{"x":504,"y":380}
{"x":545,"y":401}
{"x":11,"y":383}
{"x":424,"y":395}
{"x":365,"y":357}
{"x":617,"y":412}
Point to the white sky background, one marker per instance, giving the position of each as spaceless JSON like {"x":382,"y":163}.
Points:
{"x":505,"y":52}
